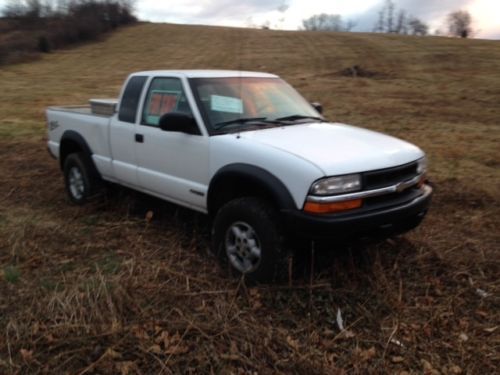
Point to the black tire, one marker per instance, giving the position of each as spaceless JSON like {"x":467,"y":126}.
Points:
{"x":78,"y":166}
{"x":258,"y":223}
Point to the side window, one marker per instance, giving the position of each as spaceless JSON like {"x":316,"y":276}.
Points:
{"x":165,"y":95}
{"x":130,"y":99}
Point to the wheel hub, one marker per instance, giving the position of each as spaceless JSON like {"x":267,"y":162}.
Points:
{"x":76,"y":183}
{"x":243,"y":247}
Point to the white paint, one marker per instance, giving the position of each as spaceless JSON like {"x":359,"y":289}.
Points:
{"x":179,"y":167}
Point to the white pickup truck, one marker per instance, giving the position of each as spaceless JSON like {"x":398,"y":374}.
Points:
{"x":248,"y":150}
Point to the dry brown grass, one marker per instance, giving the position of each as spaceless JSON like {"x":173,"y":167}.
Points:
{"x":99,"y":289}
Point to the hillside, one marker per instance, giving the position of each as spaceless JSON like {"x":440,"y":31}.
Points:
{"x":101,"y":289}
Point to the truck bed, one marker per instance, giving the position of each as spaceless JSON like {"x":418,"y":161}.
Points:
{"x":82,"y":120}
{"x":82,"y":109}
{"x":97,"y":107}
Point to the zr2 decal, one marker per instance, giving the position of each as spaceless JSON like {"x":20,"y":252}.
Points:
{"x":53,"y":125}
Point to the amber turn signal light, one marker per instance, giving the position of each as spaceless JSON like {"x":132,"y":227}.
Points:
{"x":422,"y":181}
{"x":327,"y":208}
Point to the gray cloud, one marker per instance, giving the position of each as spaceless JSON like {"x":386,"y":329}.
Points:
{"x":210,"y":12}
{"x":429,"y":9}
{"x":243,"y":9}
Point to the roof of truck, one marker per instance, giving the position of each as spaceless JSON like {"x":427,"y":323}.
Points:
{"x":206,"y":73}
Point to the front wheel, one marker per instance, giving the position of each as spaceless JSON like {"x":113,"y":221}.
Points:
{"x":246,"y":236}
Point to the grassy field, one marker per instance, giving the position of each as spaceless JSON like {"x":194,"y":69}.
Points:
{"x":100,"y":289}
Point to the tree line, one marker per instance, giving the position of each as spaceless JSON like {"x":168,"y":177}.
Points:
{"x":393,"y":20}
{"x":50,"y":24}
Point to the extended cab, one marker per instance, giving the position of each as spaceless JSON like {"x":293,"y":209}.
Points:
{"x":249,"y":151}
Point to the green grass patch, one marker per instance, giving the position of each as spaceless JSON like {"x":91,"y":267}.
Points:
{"x":11,"y":274}
{"x":108,"y":265}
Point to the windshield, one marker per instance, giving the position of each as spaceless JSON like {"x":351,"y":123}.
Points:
{"x":240,"y":103}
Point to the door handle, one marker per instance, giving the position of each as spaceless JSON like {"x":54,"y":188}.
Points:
{"x":139,"y":138}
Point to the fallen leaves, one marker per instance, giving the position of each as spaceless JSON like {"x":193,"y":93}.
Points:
{"x":490,"y":330}
{"x":126,"y":367}
{"x":463,"y":337}
{"x":427,"y":368}
{"x":397,"y":359}
{"x":368,"y":354}
{"x":111,"y":353}
{"x":347,"y":334}
{"x":294,"y":344}
{"x":454,"y":369}
{"x":255,"y":299}
{"x":482,"y":293}
{"x":26,"y":354}
{"x":169,"y":344}
{"x":156,"y":349}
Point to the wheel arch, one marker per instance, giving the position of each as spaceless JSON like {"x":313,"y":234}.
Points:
{"x":72,"y":142}
{"x":240,"y":179}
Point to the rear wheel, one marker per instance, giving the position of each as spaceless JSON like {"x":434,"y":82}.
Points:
{"x":246,"y":236}
{"x":81,"y":183}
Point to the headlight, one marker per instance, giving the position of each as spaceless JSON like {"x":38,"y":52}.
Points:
{"x":337,"y":185}
{"x":422,"y":166}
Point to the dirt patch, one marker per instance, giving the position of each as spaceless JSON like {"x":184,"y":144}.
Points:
{"x":358,"y":71}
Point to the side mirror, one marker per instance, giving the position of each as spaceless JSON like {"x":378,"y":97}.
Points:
{"x":318,"y":107}
{"x":179,"y":122}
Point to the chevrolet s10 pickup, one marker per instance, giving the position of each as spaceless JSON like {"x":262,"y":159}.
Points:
{"x":248,"y":150}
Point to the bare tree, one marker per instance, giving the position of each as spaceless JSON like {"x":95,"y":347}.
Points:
{"x":14,"y":9}
{"x":349,"y":25}
{"x":385,"y":23}
{"x":460,"y":24}
{"x":390,"y":8}
{"x":326,"y":22}
{"x":31,"y":11}
{"x":418,"y":27}
{"x":380,"y":25}
{"x":402,"y":24}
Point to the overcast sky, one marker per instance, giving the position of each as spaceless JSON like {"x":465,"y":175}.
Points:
{"x":288,"y":14}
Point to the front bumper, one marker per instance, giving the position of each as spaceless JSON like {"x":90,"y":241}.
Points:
{"x":376,"y":223}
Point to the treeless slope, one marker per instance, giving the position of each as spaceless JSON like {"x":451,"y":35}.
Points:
{"x":98,"y":289}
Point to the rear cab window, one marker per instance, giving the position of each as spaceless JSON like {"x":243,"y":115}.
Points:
{"x":130,"y":99}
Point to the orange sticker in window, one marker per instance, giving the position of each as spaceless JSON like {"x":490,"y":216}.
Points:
{"x":154,"y":104}
{"x":168,"y":103}
{"x":162,"y":103}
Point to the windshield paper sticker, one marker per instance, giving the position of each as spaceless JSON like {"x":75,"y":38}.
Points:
{"x":226,"y":104}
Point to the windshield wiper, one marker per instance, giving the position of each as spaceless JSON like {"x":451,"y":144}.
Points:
{"x":242,"y":120}
{"x":298,"y":117}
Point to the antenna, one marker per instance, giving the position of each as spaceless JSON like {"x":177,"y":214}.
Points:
{"x":240,"y":67}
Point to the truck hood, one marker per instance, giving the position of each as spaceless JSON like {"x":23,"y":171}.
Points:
{"x":337,"y":149}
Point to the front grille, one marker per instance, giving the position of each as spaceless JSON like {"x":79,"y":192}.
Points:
{"x":390,"y":176}
{"x":393,"y":199}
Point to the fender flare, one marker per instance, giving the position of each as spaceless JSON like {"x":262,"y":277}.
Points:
{"x":73,"y":136}
{"x":261,"y":177}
